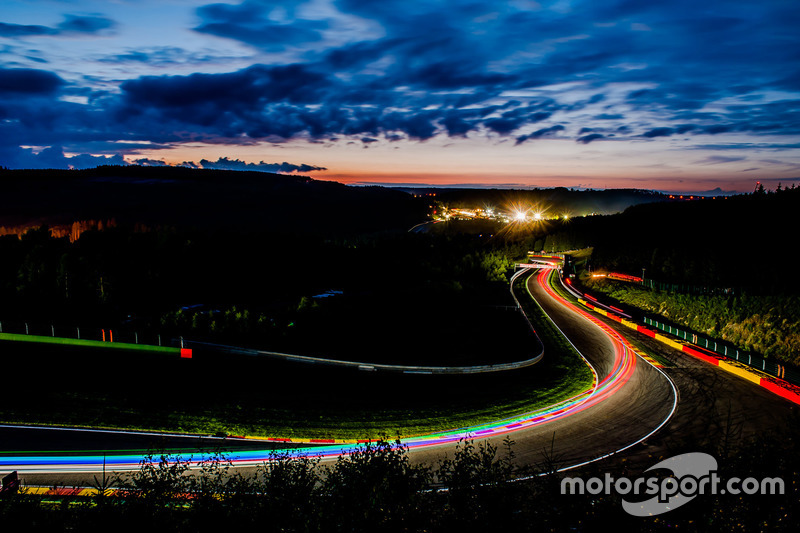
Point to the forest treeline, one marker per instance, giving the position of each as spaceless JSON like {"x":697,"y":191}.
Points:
{"x":742,"y":242}
{"x":121,"y":275}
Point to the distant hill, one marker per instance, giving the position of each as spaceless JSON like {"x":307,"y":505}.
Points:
{"x":180,"y":196}
{"x":556,"y":201}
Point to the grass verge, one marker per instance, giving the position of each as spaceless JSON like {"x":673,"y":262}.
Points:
{"x":41,"y":339}
{"x":240,"y":395}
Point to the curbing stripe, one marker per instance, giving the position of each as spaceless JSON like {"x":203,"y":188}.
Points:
{"x":699,"y":355}
{"x":746,"y":374}
{"x":775,"y":385}
{"x":669,"y":342}
{"x":648,"y":332}
{"x":781,"y":388}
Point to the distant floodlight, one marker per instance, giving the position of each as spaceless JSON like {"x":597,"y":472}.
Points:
{"x":520,"y":216}
{"x":537,"y":216}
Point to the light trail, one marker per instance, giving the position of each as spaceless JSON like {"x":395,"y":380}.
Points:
{"x":622,"y":368}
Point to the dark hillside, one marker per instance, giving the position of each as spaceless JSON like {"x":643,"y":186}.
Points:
{"x":210,"y":199}
{"x":743,"y":242}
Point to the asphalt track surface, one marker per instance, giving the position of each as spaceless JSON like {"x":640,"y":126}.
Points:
{"x":711,"y":404}
{"x":635,"y":410}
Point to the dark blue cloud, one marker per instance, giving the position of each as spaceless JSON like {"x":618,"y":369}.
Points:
{"x":33,"y":113}
{"x":285,"y":101}
{"x":25,"y":30}
{"x":89,"y":24}
{"x":458,"y":122}
{"x":24,"y":81}
{"x":586,"y":139}
{"x":271,"y":37}
{"x":430,"y":69}
{"x":717,"y":128}
{"x":249,"y":23}
{"x":72,"y":24}
{"x":357,"y":55}
{"x":224,"y":163}
{"x":146,"y":162}
{"x":53,"y":157}
{"x":513,"y":119}
{"x":446,"y":74}
{"x":544,"y":132}
{"x":463,"y":51}
{"x":659,"y":132}
{"x":255,"y":85}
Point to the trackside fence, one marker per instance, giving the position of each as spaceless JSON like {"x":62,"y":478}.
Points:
{"x":10,"y":330}
{"x":686,"y":288}
{"x":755,"y":361}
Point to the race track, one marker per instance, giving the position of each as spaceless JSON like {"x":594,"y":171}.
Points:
{"x":632,"y":406}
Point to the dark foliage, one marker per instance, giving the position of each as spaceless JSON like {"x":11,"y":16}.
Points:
{"x":378,"y":488}
{"x":743,"y":242}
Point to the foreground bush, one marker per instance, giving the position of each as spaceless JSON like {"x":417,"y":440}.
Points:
{"x":378,"y":489}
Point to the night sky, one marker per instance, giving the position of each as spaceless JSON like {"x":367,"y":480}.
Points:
{"x":678,"y":95}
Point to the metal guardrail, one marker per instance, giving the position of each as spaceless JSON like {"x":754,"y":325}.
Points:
{"x":371,"y":367}
{"x":119,"y":336}
{"x":754,"y":361}
{"x":406,"y":369}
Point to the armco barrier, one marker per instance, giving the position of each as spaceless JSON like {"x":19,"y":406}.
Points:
{"x":775,"y":385}
{"x":371,"y":367}
{"x":106,"y":338}
{"x":755,"y":361}
{"x":405,"y":369}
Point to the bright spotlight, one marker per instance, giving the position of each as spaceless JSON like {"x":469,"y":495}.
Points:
{"x":519,"y":216}
{"x":537,"y":216}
